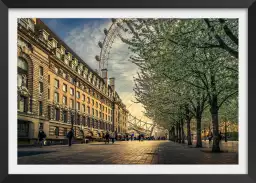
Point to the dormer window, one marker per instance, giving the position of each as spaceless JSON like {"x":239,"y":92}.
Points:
{"x":65,"y":60}
{"x":54,"y":42}
{"x":56,"y":70}
{"x":58,"y":55}
{"x":62,"y":50}
{"x":45,"y":34}
{"x":69,"y":56}
{"x":64,"y":75}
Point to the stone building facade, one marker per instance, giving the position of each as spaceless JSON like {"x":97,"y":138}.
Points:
{"x":57,"y":89}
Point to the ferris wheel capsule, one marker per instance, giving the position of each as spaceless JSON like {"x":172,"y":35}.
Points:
{"x":100,"y":44}
{"x":97,"y":57}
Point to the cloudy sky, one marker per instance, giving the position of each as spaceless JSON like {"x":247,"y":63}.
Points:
{"x":83,"y":35}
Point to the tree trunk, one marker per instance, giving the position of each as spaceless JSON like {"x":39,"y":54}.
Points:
{"x":177,"y":133}
{"x":182,"y":132}
{"x":179,"y":129}
{"x":189,"y":132}
{"x":226,"y":131}
{"x":215,"y":122}
{"x":198,"y":131}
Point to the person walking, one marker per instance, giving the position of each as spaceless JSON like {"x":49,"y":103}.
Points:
{"x":210,"y":138}
{"x":41,"y":137}
{"x":70,"y":135}
{"x":139,"y":137}
{"x":107,"y":138}
{"x":116,"y":136}
{"x":113,"y":138}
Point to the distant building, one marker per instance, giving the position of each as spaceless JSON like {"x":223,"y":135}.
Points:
{"x":56,"y":89}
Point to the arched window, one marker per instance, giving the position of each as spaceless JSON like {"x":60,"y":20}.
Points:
{"x":22,"y":72}
{"x":22,"y":64}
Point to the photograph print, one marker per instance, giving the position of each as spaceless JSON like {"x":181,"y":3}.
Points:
{"x":127,"y":91}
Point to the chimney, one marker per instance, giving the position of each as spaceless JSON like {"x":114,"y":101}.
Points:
{"x":105,"y":76}
{"x":112,"y":83}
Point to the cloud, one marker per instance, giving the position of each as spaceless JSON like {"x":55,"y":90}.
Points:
{"x":84,"y":41}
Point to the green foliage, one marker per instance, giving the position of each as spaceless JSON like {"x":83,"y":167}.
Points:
{"x":184,"y":62}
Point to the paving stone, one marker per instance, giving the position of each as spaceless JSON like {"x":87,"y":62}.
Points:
{"x":146,"y":152}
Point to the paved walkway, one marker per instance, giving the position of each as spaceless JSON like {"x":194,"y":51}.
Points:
{"x":146,"y":152}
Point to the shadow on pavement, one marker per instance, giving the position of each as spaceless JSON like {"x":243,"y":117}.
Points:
{"x":102,"y":144}
{"x":31,"y":153}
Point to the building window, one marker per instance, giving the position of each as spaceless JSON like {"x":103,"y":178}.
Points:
{"x":96,"y":113}
{"x":56,"y":83}
{"x":72,"y":91}
{"x":64,"y":100}
{"x":40,"y":108}
{"x":41,"y":87}
{"x":78,"y":106}
{"x":71,"y":104}
{"x":83,"y":108}
{"x":83,"y":97}
{"x":100,"y":114}
{"x":22,"y":64}
{"x":41,"y":71}
{"x":77,"y":94}
{"x":92,"y":102}
{"x":49,"y":79}
{"x":56,"y":114}
{"x":56,"y":97}
{"x":49,"y":94}
{"x":56,"y":70}
{"x":108,"y":111}
{"x":22,"y":104}
{"x":65,"y":116}
{"x":88,"y":99}
{"x":72,"y":118}
{"x":97,"y":104}
{"x":83,"y":121}
{"x":65,"y":131}
{"x":64,"y":87}
{"x":49,"y":112}
{"x":56,"y":131}
{"x":78,"y":119}
{"x":93,"y":111}
{"x":22,"y":72}
{"x":100,"y":106}
{"x":64,"y":75}
{"x":88,"y":122}
{"x":23,"y":128}
{"x":88,"y":109}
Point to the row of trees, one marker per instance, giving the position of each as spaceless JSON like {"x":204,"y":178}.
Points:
{"x":188,"y":68}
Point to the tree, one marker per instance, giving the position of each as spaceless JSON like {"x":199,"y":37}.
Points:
{"x":188,"y":61}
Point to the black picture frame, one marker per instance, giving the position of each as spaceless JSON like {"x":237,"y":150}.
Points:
{"x":6,"y":4}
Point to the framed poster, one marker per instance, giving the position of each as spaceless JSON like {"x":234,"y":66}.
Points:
{"x":80,"y":71}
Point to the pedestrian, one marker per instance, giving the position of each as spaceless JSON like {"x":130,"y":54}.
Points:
{"x":107,"y":138}
{"x":41,"y":137}
{"x":113,"y":139}
{"x":220,"y":136}
{"x":139,"y":137}
{"x":132,"y":137}
{"x":210,"y":138}
{"x":116,"y":136}
{"x":70,"y":135}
